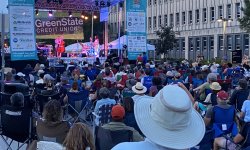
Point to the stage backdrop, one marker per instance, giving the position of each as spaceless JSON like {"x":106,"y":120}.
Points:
{"x":52,"y":27}
{"x":136,"y":27}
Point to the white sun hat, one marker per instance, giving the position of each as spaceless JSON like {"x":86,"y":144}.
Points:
{"x":20,"y":74}
{"x":139,"y":88}
{"x":169,"y":120}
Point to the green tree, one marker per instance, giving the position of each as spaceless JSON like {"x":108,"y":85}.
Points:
{"x":245,"y":20}
{"x":166,"y":40}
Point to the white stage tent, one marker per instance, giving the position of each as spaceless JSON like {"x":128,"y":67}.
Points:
{"x":123,"y":41}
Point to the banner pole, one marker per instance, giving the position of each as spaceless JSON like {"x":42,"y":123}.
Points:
{"x":3,"y":53}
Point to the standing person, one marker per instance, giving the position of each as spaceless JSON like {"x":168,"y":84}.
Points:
{"x":168,"y":121}
{"x":139,"y":59}
{"x":145,"y":58}
{"x":60,"y":46}
{"x":147,"y":80}
{"x":139,"y":90}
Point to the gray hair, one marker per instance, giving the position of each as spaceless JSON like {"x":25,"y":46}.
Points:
{"x":104,"y":92}
{"x":211,"y":77}
{"x":17,"y":99}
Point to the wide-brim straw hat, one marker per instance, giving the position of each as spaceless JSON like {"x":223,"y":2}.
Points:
{"x":169,"y":120}
{"x":215,"y":86}
{"x":139,"y":88}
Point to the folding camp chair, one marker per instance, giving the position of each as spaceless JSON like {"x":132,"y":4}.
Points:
{"x":77,"y":102}
{"x":16,"y":124}
{"x":103,"y":116}
{"x":43,"y":99}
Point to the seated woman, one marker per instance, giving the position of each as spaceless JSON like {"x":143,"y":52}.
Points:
{"x":79,"y":138}
{"x":52,"y":127}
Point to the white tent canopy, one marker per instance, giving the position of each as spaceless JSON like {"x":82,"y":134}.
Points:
{"x":123,"y":41}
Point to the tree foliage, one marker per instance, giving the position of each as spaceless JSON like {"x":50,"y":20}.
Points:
{"x":166,"y":40}
{"x":245,"y":20}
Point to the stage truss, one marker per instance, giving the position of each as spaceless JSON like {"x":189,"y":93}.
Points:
{"x":72,"y":5}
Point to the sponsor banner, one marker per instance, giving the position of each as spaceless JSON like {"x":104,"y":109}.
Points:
{"x":22,"y":32}
{"x":136,"y":27}
{"x":21,"y":2}
{"x":51,"y":28}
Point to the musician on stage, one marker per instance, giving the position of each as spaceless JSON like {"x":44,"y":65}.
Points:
{"x":60,"y":46}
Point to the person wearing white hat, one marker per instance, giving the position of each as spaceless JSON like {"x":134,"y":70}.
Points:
{"x":139,"y":90}
{"x":168,"y":121}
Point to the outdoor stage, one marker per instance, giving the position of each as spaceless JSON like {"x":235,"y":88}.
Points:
{"x":54,"y":60}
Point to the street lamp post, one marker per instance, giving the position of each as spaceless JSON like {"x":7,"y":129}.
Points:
{"x":225,"y":21}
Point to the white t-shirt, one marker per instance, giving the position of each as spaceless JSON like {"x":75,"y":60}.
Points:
{"x":143,"y":145}
{"x":246,"y":109}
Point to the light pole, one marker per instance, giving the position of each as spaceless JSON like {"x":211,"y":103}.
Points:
{"x":225,"y":21}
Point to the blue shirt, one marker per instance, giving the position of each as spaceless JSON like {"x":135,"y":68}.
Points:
{"x":246,"y":109}
{"x":103,"y":102}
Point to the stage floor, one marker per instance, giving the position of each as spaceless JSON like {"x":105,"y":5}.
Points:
{"x":54,"y":60}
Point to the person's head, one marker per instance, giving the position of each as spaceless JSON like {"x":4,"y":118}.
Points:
{"x":144,"y":53}
{"x":117,"y":113}
{"x":90,"y":66}
{"x":52,"y":111}
{"x":17,"y":99}
{"x":128,"y":104}
{"x":121,"y":68}
{"x":104,"y":92}
{"x":215,"y":87}
{"x":243,"y":83}
{"x":41,"y":75}
{"x":211,"y":77}
{"x":222,"y":97}
{"x":107,"y":71}
{"x":156,"y":81}
{"x":8,"y":76}
{"x":229,"y":65}
{"x":147,"y":72}
{"x":74,"y":86}
{"x":139,"y":89}
{"x":79,"y":137}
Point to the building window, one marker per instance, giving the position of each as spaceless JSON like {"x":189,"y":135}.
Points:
{"x":212,"y":14}
{"x":211,"y":43}
{"x":166,"y":20}
{"x":220,"y":12}
{"x":154,"y":22}
{"x":111,"y":27}
{"x":246,"y":42}
{"x":237,"y":42}
{"x":155,"y":2}
{"x":177,"y":19}
{"x":191,"y":44}
{"x":149,"y":23}
{"x":183,"y":44}
{"x":197,"y":16}
{"x":171,"y":20}
{"x":204,"y":15}
{"x":229,"y":42}
{"x":198,"y":44}
{"x":190,"y":17}
{"x":204,"y":43}
{"x":237,"y":10}
{"x":229,"y":11}
{"x":160,"y":2}
{"x":221,"y":42}
{"x":149,"y":2}
{"x":183,"y":17}
{"x":178,"y":44}
{"x":159,"y":21}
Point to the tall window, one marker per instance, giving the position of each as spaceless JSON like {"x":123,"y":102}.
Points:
{"x":160,"y":2}
{"x":183,"y":17}
{"x":221,"y":42}
{"x":246,"y":41}
{"x":155,"y":2}
{"x":149,"y":2}
{"x":204,"y":43}
{"x":211,"y":43}
{"x":166,"y":20}
{"x":204,"y":15}
{"x":220,"y":12}
{"x":171,"y":20}
{"x":183,"y":44}
{"x":229,"y":11}
{"x":198,"y":44}
{"x":178,"y":44}
{"x":237,"y":10}
{"x":154,"y":22}
{"x":159,"y":21}
{"x":191,"y":44}
{"x":149,"y":23}
{"x":177,"y":19}
{"x":197,"y":16}
{"x":212,"y":14}
{"x":190,"y":17}
{"x":237,"y":42}
{"x":229,"y":42}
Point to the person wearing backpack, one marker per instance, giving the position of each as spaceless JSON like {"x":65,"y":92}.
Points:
{"x":147,"y":80}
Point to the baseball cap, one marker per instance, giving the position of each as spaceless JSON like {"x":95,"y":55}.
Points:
{"x":118,"y":112}
{"x":223,"y":95}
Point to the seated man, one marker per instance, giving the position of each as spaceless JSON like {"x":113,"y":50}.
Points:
{"x":104,"y":94}
{"x":17,"y":100}
{"x":118,"y":114}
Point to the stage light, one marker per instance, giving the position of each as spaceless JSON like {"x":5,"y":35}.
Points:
{"x":82,"y":15}
{"x":37,"y":12}
{"x":96,"y":3}
{"x":108,"y":3}
{"x":95,"y":17}
{"x":70,"y":14}
{"x":86,"y":17}
{"x":102,"y":3}
{"x":50,"y":13}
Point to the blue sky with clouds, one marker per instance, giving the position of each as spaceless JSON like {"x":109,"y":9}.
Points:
{"x":3,"y":6}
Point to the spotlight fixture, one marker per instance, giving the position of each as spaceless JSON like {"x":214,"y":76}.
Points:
{"x":82,"y":15}
{"x":96,"y":3}
{"x":37,"y":12}
{"x":86,"y":17}
{"x":50,"y":13}
{"x":108,"y":3}
{"x":102,"y":3}
{"x":95,"y":17}
{"x":70,"y":14}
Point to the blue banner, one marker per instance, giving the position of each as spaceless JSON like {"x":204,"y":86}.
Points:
{"x":136,"y":14}
{"x":22,"y":30}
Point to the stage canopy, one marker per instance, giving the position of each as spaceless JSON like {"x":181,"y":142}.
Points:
{"x":73,"y":5}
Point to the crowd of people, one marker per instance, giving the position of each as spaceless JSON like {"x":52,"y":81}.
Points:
{"x":166,"y":105}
